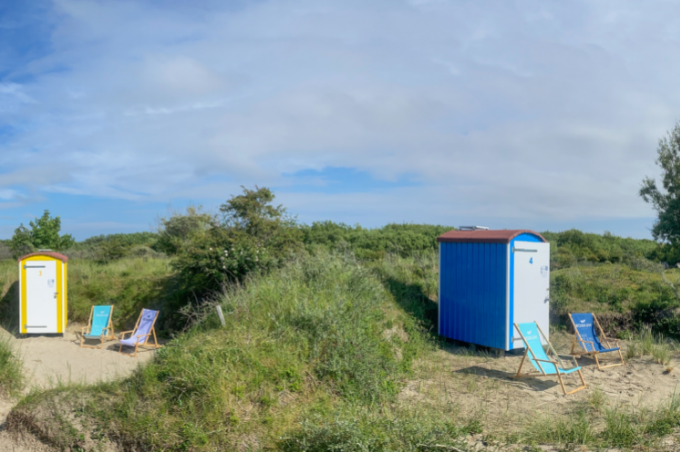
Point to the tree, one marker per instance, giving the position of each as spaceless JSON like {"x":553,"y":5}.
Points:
{"x":252,"y":212}
{"x":666,"y":201}
{"x":177,"y":229}
{"x":43,"y":234}
{"x":253,"y":236}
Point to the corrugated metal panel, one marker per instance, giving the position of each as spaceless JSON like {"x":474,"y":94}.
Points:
{"x":472,"y":303}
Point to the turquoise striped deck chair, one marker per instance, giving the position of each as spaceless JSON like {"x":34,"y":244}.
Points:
{"x":99,"y":326}
{"x":545,"y":365}
{"x":588,"y":342}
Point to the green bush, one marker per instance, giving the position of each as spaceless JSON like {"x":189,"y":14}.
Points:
{"x":374,"y":244}
{"x":253,"y":236}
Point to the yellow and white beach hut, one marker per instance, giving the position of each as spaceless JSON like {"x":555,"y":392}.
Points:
{"x":42,"y":295}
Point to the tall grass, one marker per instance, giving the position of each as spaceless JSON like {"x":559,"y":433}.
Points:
{"x":646,"y":343}
{"x":11,"y":369}
{"x":601,"y":425}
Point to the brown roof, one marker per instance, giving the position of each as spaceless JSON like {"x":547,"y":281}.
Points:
{"x":485,"y":236}
{"x":61,"y":257}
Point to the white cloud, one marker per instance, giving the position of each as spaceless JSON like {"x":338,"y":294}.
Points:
{"x":525,"y":109}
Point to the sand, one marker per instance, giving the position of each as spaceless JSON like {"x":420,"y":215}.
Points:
{"x":50,"y":360}
{"x":458,"y":381}
{"x":474,"y":385}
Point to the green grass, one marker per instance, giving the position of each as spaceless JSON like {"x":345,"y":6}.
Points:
{"x":646,"y":343}
{"x":11,"y":369}
{"x":307,"y":351}
{"x":600,"y":426}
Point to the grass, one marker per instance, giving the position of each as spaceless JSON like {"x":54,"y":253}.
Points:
{"x":646,"y":343}
{"x":314,"y":357}
{"x":312,"y":353}
{"x":11,"y":369}
{"x":603,"y":426}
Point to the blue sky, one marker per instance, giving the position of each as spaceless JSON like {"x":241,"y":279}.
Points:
{"x":509,"y":114}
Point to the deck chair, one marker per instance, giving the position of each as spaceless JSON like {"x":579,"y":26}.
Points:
{"x":531,"y":335}
{"x":99,"y":326}
{"x":588,"y":342}
{"x":144,"y":329}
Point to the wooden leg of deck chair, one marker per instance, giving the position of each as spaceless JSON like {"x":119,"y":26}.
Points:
{"x":580,"y":387}
{"x":153,"y":330}
{"x":613,"y":365}
{"x":597,"y":361}
{"x":521,"y":364}
{"x":573,"y":344}
{"x":559,"y":377}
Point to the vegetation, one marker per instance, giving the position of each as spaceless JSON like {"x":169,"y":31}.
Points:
{"x":325,"y":324}
{"x":601,"y":426}
{"x":11,"y":371}
{"x":665,"y":200}
{"x":43,"y":234}
{"x":402,"y":239}
{"x":313,"y":353}
{"x":573,"y":247}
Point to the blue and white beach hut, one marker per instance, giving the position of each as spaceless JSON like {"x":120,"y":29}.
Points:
{"x":489,"y":280}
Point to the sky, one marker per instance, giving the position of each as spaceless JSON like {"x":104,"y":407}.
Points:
{"x":543,"y":115}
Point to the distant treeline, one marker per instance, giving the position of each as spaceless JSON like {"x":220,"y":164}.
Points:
{"x":567,"y":248}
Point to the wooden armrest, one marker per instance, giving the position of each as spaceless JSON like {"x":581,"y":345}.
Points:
{"x":123,"y":333}
{"x":82,"y":330}
{"x":546,"y":361}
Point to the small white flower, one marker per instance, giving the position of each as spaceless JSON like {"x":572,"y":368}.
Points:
{"x":210,"y":249}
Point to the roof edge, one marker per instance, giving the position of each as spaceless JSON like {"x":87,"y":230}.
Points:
{"x":59,"y":256}
{"x":486,"y":236}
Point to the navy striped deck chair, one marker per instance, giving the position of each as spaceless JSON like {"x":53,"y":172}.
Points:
{"x":588,"y":342}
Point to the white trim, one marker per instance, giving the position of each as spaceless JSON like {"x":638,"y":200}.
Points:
{"x":509,"y":330}
{"x":439,"y":299}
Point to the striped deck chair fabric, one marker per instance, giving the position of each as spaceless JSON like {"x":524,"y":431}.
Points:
{"x":531,"y":334}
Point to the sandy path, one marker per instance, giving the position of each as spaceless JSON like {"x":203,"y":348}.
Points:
{"x":50,"y":360}
{"x":471,"y":385}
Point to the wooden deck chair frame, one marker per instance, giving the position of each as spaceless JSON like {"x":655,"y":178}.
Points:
{"x":104,"y":337}
{"x":556,"y":362}
{"x":578,"y":342}
{"x":146,"y":341}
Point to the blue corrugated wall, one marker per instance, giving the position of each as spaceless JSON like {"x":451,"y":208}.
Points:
{"x":472,"y":304}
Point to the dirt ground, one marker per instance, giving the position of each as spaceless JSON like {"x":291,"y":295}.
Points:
{"x":51,"y":360}
{"x":477,"y":385}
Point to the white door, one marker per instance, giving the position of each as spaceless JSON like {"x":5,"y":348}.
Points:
{"x":41,"y":297}
{"x":531,"y":286}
